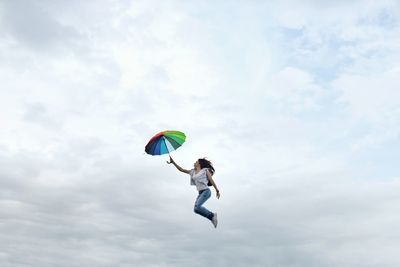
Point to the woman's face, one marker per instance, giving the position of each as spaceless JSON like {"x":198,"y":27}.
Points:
{"x":196,"y":164}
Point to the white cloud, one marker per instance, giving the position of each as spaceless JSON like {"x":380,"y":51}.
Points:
{"x":371,"y":97}
{"x":294,"y":89}
{"x":373,"y":100}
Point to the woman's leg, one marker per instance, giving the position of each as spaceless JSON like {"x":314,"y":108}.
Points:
{"x":198,"y":205}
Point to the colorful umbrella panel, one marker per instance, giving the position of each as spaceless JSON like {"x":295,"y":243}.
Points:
{"x":165,"y":142}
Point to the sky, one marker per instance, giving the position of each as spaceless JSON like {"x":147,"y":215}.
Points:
{"x":295,"y":102}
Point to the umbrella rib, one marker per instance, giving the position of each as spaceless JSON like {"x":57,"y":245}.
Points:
{"x":152,"y":146}
{"x":170,"y":146}
{"x":173,"y":142}
{"x":165,"y":144}
{"x":176,"y":136}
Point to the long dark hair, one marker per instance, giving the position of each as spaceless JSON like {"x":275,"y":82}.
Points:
{"x":204,"y":163}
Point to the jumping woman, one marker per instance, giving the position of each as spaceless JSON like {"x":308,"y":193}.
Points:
{"x":201,"y":177}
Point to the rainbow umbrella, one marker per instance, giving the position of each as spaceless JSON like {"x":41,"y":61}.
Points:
{"x":165,"y":142}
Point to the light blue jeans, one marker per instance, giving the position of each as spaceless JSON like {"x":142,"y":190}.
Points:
{"x":198,"y":205}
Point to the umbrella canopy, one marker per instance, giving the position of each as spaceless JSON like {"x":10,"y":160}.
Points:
{"x":165,"y":142}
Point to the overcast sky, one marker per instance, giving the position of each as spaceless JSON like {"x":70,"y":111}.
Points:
{"x":297,"y":103}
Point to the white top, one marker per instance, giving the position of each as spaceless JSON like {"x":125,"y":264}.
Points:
{"x":200,"y":179}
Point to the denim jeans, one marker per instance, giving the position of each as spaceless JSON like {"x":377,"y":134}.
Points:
{"x":198,"y":205}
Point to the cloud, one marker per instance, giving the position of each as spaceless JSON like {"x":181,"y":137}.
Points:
{"x":294,"y":103}
{"x":294,"y":89}
{"x":372,"y":100}
{"x":30,"y":24}
{"x":371,"y":97}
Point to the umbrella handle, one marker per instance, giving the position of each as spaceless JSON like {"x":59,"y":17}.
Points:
{"x":169,"y":162}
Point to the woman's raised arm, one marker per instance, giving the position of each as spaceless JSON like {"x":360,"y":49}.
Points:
{"x":177,"y":166}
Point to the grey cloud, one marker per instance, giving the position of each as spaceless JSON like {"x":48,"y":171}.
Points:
{"x":58,"y":225}
{"x":16,"y":171}
{"x":33,"y":26}
{"x":39,"y":114}
{"x":121,"y":213}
